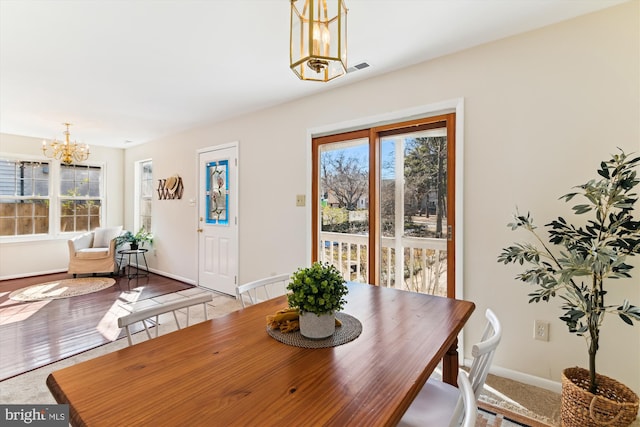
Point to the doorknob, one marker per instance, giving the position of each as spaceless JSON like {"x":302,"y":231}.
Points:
{"x":199,"y":230}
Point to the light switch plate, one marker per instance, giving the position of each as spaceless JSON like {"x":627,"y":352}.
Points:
{"x":300,"y":200}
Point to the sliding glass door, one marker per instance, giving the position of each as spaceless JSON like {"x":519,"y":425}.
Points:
{"x":413,"y":210}
{"x":344,"y":206}
{"x":384,"y":207}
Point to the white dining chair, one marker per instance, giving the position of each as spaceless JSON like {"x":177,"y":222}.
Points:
{"x":453,"y":407}
{"x":262,"y":289}
{"x":150,"y":315}
{"x":469,"y":403}
{"x":440,"y":404}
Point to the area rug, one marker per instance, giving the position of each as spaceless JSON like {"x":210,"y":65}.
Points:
{"x":64,"y":288}
{"x":497,"y":416}
{"x":511,"y":404}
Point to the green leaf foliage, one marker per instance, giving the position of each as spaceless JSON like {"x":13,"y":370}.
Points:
{"x":317,"y":289}
{"x":141,"y":237}
{"x":577,"y":260}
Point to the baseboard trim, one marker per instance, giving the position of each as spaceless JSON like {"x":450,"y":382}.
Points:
{"x":31,"y":274}
{"x":529,"y":379}
{"x":64,"y":270}
{"x":173,"y":276}
{"x":547,"y":384}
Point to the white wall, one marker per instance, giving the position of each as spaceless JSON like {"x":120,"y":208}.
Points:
{"x":21,"y":258}
{"x":541,"y":110}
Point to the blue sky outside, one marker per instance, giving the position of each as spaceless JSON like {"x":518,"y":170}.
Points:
{"x":361,"y":153}
{"x":359,"y":149}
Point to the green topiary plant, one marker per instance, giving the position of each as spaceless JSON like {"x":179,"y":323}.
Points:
{"x":586,"y":255}
{"x":317,"y":289}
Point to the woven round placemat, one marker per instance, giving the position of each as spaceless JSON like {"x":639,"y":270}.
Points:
{"x":349,"y":331}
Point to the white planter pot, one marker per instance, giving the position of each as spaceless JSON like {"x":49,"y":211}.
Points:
{"x":317,"y":326}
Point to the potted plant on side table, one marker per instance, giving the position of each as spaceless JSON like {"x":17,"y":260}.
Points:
{"x":317,"y":292}
{"x":135,"y":240}
{"x":576,"y":272}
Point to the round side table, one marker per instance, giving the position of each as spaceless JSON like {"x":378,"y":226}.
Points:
{"x":140,"y":272}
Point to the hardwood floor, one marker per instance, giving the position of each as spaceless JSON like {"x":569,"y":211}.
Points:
{"x":34,"y":334}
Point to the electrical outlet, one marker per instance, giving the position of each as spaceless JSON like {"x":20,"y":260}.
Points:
{"x":300,"y":200}
{"x":541,"y":330}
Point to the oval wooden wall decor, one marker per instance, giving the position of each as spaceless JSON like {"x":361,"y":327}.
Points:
{"x":170,"y":188}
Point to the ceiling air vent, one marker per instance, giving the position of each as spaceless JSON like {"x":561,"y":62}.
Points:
{"x":357,"y":67}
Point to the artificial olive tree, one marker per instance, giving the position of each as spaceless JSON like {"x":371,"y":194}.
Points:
{"x":578,"y":260}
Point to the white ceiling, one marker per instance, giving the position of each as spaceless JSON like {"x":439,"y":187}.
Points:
{"x":138,"y":70}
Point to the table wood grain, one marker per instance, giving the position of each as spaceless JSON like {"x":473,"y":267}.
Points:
{"x":229,"y":371}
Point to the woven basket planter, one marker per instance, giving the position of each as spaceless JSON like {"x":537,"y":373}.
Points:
{"x":614,"y":404}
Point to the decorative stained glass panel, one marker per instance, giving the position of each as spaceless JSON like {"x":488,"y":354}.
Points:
{"x":218,"y":192}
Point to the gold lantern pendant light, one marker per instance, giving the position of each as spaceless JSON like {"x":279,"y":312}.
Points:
{"x":318,"y":42}
{"x":66,"y":151}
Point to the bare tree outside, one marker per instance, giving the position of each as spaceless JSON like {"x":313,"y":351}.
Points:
{"x":345,"y":178}
{"x":344,"y":193}
{"x":412,"y":206}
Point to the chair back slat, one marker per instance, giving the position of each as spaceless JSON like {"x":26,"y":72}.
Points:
{"x":262,"y":289}
{"x":146,"y":314}
{"x":441,"y":404}
{"x":483,"y":352}
{"x":466,"y":410}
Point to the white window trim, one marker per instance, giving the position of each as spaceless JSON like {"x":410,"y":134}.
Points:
{"x":137,"y":178}
{"x":54,"y":199}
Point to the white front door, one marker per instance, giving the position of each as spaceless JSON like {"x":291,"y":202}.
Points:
{"x":218,"y":218}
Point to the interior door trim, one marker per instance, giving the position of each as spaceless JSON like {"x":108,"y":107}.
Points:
{"x":235,"y":145}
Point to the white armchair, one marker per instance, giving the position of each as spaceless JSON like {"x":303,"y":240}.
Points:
{"x":94,"y":251}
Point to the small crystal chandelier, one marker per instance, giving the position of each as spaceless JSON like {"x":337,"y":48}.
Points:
{"x":66,"y":151}
{"x":318,"y":42}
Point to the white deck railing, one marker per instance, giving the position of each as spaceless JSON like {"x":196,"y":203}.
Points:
{"x":410,"y":263}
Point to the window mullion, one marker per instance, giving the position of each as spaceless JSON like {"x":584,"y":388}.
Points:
{"x":54,"y":198}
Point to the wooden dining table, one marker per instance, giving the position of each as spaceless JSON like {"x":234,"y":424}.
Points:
{"x":230,"y":371}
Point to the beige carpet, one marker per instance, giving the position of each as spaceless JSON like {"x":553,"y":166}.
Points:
{"x":489,"y":416}
{"x":532,"y":402}
{"x":528,"y":405}
{"x":64,"y":288}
